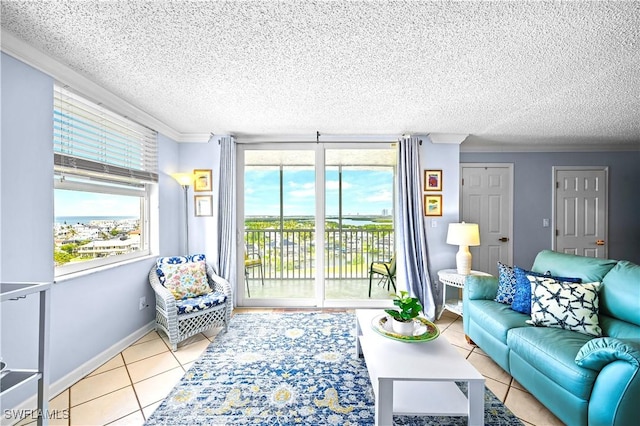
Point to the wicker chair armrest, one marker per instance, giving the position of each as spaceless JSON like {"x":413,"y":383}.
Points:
{"x":163,"y":295}
{"x":217,"y":283}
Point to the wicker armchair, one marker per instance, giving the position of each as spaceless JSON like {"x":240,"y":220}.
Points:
{"x":179,"y":327}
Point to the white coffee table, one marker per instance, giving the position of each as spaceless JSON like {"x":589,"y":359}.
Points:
{"x":417,"y":378}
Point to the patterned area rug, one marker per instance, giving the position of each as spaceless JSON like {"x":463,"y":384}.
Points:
{"x":286,"y":369}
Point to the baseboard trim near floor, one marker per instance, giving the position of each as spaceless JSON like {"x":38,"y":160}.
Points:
{"x":79,"y":373}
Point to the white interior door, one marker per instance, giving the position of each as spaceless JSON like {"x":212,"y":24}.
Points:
{"x":487,"y":199}
{"x":581,"y":211}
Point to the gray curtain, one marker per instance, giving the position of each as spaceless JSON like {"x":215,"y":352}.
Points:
{"x":226,"y":226}
{"x":413,"y":259}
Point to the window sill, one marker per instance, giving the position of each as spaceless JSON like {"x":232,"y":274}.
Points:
{"x":86,"y":272}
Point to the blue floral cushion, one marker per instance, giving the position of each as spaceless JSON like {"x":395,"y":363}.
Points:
{"x":506,"y":284}
{"x":175,"y":260}
{"x":193,"y":304}
{"x":522,"y":297}
{"x":185,"y":280}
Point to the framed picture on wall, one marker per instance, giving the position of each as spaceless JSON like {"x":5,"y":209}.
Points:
{"x":433,"y":205}
{"x":203,"y":205}
{"x":433,"y":180}
{"x":202,"y":180}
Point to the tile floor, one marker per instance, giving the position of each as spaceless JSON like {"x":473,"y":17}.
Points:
{"x":130,"y":386}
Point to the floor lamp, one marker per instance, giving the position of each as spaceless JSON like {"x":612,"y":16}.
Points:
{"x":185,"y":180}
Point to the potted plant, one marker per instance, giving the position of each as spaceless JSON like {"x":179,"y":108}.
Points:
{"x":402,"y":318}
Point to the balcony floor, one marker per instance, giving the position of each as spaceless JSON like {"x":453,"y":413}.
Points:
{"x":344,"y":289}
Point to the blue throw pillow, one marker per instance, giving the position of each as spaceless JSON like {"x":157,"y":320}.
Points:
{"x":522,"y":297}
{"x":506,"y":284}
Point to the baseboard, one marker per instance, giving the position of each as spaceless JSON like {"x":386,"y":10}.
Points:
{"x":79,"y":373}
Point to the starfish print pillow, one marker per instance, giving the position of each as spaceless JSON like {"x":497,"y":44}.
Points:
{"x":566,"y":305}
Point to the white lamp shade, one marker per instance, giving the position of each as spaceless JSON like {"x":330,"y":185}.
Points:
{"x":463,"y":234}
{"x":184,"y":179}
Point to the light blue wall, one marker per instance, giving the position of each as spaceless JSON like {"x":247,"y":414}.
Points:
{"x":90,"y":313}
{"x":442,"y":157}
{"x":170,"y":198}
{"x":533,"y":193}
{"x":27,"y":205}
{"x":202,"y":229}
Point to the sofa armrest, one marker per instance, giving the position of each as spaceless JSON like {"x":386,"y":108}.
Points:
{"x":480,"y":287}
{"x":616,"y":391}
{"x":597,"y":353}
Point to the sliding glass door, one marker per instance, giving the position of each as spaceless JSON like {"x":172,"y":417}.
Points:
{"x":315,"y":218}
{"x":279,"y":224}
{"x":359,"y":227}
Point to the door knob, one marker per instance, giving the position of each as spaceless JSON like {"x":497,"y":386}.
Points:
{"x":600,"y":242}
{"x":503,"y":239}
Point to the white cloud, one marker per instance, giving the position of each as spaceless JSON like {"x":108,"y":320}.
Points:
{"x":303,"y":193}
{"x":382,"y":196}
{"x":305,"y":190}
{"x":334,"y":185}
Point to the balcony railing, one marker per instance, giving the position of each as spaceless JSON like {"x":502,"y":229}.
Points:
{"x":291,"y":253}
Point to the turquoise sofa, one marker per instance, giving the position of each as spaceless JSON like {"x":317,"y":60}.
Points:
{"x":582,"y":379}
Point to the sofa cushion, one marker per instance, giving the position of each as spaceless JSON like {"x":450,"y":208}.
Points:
{"x":565,"y":305}
{"x":496,"y":318}
{"x":552,"y":351}
{"x":614,"y":327}
{"x":506,"y":284}
{"x":522,"y":296}
{"x":620,"y":294}
{"x":590,"y":269}
{"x":194,"y":304}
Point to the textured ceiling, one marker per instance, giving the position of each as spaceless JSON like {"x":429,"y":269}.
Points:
{"x":510,"y":71}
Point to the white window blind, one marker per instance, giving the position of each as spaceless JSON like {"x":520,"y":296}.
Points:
{"x":91,"y":141}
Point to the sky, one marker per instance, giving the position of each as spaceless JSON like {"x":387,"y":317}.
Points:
{"x":365,"y":192}
{"x":79,"y":203}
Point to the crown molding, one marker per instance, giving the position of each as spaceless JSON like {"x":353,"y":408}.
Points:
{"x":481,"y":147}
{"x":306,"y":137}
{"x":19,"y":49}
{"x":447,"y":138}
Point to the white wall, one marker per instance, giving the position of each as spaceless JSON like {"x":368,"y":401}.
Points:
{"x":90,"y":313}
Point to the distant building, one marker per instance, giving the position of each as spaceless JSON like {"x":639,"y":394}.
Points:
{"x":111,"y":247}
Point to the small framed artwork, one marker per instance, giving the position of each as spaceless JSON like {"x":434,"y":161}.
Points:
{"x":433,"y":180}
{"x":203,"y":205}
{"x":202,"y":180}
{"x":433,"y":205}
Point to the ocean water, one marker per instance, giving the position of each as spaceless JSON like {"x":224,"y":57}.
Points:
{"x":70,"y":220}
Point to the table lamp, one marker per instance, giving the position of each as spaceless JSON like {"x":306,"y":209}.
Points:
{"x":463,"y":235}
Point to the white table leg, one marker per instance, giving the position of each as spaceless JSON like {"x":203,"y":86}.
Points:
{"x":444,"y":299}
{"x":476,"y":402}
{"x":384,"y":403}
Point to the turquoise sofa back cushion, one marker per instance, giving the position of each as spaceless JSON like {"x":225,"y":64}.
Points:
{"x":620,"y":293}
{"x":590,"y":269}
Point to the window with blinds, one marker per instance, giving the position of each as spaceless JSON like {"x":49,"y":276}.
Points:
{"x":105,"y":168}
{"x":89,"y":140}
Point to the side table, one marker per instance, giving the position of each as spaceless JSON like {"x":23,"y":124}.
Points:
{"x":451,"y":278}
